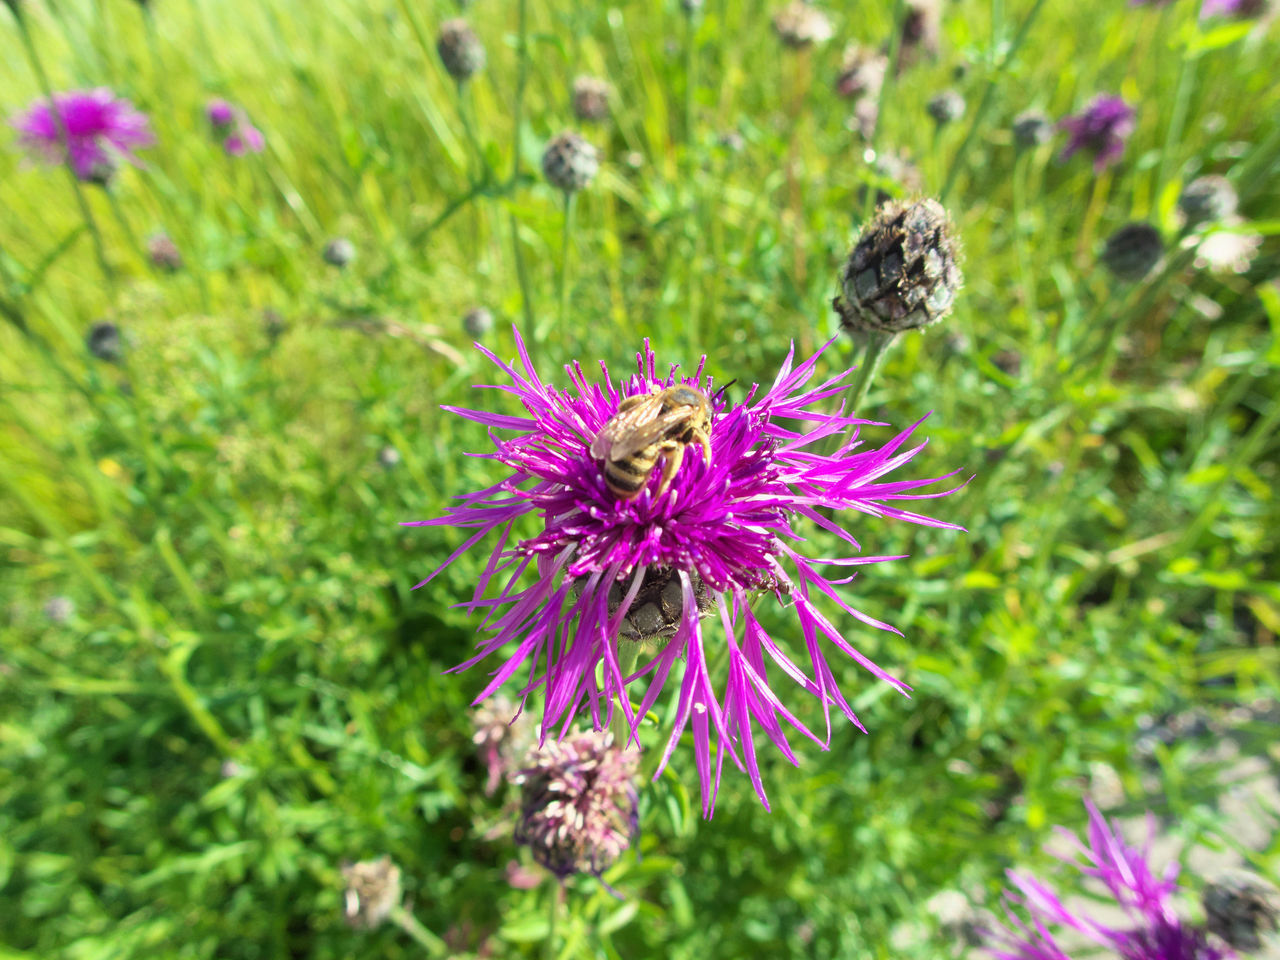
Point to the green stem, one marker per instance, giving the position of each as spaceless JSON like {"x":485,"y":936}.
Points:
{"x":517,"y":131}
{"x":407,"y":922}
{"x":895,"y":48}
{"x":552,"y":918}
{"x":988,"y":95}
{"x":464,"y":111}
{"x":47,"y":89}
{"x":127,"y":227}
{"x":570,"y":202}
{"x":877,"y":345}
{"x":1173,"y":136}
{"x":691,"y":158}
{"x":1019,"y":186}
{"x":628,"y":655}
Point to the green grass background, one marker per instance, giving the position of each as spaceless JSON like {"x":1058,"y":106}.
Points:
{"x":214,"y":505}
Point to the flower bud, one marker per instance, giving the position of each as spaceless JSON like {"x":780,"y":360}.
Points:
{"x":373,"y":891}
{"x":946,"y":106}
{"x":164,"y":253}
{"x":658,"y":606}
{"x":59,"y":609}
{"x":903,"y":273}
{"x":1244,"y":910}
{"x":579,"y":806}
{"x":1133,"y":251}
{"x":339,"y":252}
{"x":388,"y":457}
{"x":570,"y":162}
{"x":104,"y":341}
{"x":921,"y":29}
{"x":862,"y":72}
{"x":590,"y":99}
{"x":221,"y":114}
{"x":1031,"y":128}
{"x":460,"y":50}
{"x":478,"y":323}
{"x":1207,"y":199}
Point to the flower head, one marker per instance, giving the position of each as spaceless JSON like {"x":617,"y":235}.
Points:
{"x":502,"y":735}
{"x":1101,"y":128}
{"x":1152,"y":929}
{"x":579,"y":806}
{"x":221,"y":113}
{"x":570,"y":162}
{"x":239,"y":136}
{"x":1238,"y":9}
{"x":373,"y":891}
{"x":800,"y":25}
{"x":716,"y":513}
{"x":460,"y":50}
{"x":93,"y":129}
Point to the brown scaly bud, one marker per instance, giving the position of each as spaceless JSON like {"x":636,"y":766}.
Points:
{"x":104,"y":342}
{"x":1244,"y":910}
{"x":1031,"y":128}
{"x":800,"y":25}
{"x":946,"y":106}
{"x":1207,"y":199}
{"x":590,"y":99}
{"x":460,"y":50}
{"x":1133,"y":251}
{"x":658,"y":606}
{"x":570,"y":162}
{"x":862,"y":72}
{"x":373,"y":891}
{"x":478,"y":323}
{"x":904,"y":271}
{"x":579,"y":806}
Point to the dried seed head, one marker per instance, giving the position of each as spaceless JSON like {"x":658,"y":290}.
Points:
{"x":460,"y":50}
{"x":590,"y":99}
{"x":478,"y":323}
{"x":921,"y":29}
{"x":570,"y":162}
{"x":1031,"y":128}
{"x":104,"y":341}
{"x":1244,"y":910}
{"x":800,"y":25}
{"x":945,"y":107}
{"x":1226,"y":251}
{"x":164,"y":253}
{"x":1207,"y":199}
{"x":903,"y":273}
{"x":388,"y":457}
{"x":579,"y":805}
{"x":862,"y":72}
{"x":1133,"y":251}
{"x":373,"y":891}
{"x":866,"y":114}
{"x":339,"y":252}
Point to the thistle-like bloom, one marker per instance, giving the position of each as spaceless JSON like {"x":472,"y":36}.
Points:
{"x":239,"y":135}
{"x":579,"y":806}
{"x":1237,"y":9}
{"x":1153,"y":931}
{"x":94,"y":129}
{"x":721,"y":533}
{"x":1101,"y":128}
{"x":502,"y":736}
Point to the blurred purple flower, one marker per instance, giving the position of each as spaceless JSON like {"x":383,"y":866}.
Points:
{"x":1154,"y":930}
{"x":100,"y":130}
{"x":240,"y":137}
{"x":611,"y":570}
{"x":1101,"y":128}
{"x":1239,"y":9}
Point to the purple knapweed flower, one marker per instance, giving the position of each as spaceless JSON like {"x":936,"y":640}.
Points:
{"x":610,"y":570}
{"x":1101,"y":128}
{"x":1153,"y":931}
{"x":1237,"y":9}
{"x":239,"y":136}
{"x":97,"y":131}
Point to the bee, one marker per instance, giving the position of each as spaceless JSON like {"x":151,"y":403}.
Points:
{"x":649,"y":427}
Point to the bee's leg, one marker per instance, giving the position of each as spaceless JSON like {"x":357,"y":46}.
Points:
{"x":704,"y":441}
{"x":670,"y":464}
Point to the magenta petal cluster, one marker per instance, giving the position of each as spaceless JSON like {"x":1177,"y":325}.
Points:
{"x":724,"y":530}
{"x":239,"y":136}
{"x":1153,"y":930}
{"x":95,"y":129}
{"x":1101,"y":128}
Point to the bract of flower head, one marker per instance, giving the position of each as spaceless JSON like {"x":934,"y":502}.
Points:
{"x":722,"y":534}
{"x":1152,"y":929}
{"x":1101,"y":128}
{"x":93,"y":129}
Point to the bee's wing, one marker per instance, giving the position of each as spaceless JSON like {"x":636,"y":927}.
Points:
{"x":618,"y":437}
{"x":646,"y":434}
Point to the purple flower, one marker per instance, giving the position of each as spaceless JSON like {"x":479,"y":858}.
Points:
{"x":240,"y":137}
{"x":1239,"y":9}
{"x":100,"y":130}
{"x":611,"y":571}
{"x":1101,"y":128}
{"x":221,"y":114}
{"x":1154,"y":930}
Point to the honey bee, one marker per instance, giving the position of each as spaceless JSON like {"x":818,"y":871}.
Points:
{"x":649,"y":427}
